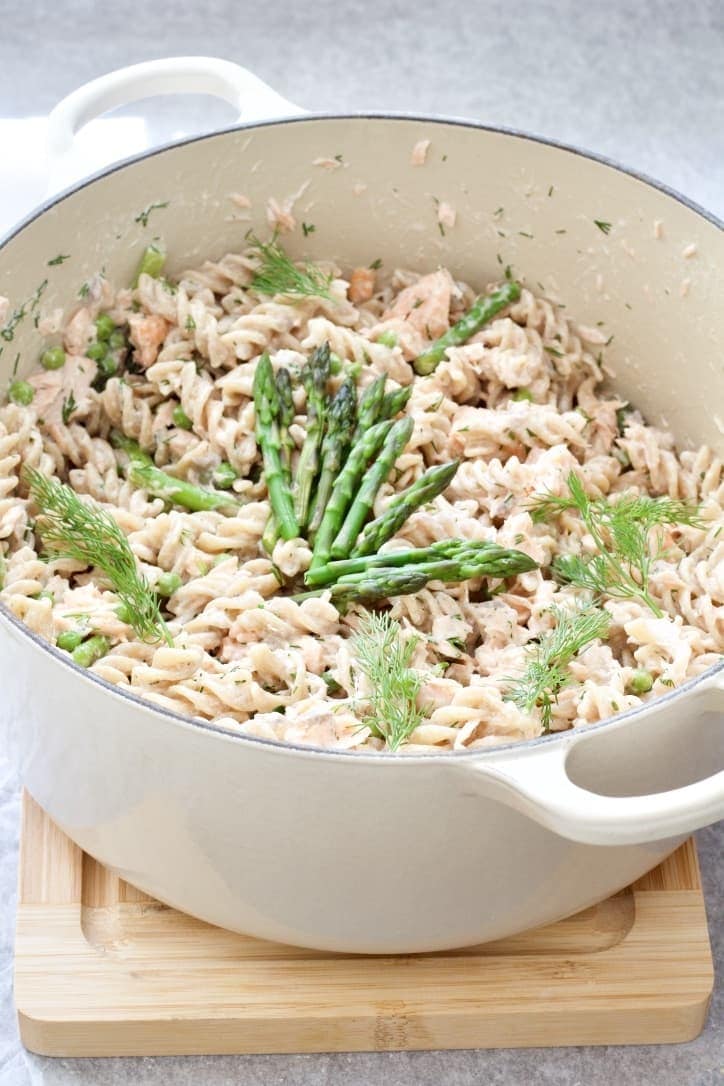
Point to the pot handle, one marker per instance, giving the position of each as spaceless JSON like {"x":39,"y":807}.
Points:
{"x":254,"y":99}
{"x":537,"y":783}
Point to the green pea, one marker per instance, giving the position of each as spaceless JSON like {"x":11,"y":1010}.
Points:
{"x":522,"y":394}
{"x":53,"y":358}
{"x":167,"y":584}
{"x":117,"y":340}
{"x":45,"y":595}
{"x":124,"y":613}
{"x":91,"y":650}
{"x":181,"y":419}
{"x":108,"y":365}
{"x":641,"y":682}
{"x":21,"y":392}
{"x":354,"y":369}
{"x":69,"y":640}
{"x":223,"y":476}
{"x":388,"y":338}
{"x":335,"y":364}
{"x":104,"y":326}
{"x":96,"y":350}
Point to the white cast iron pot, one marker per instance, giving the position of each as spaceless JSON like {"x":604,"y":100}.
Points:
{"x":365,"y":852}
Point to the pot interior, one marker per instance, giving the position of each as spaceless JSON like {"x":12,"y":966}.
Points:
{"x":621,"y":254}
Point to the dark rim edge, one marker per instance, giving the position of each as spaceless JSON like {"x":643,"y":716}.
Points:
{"x":379,"y":757}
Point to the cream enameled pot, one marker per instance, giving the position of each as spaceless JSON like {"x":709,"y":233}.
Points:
{"x":378,"y":853}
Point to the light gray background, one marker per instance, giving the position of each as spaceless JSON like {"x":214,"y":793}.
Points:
{"x":641,"y":82}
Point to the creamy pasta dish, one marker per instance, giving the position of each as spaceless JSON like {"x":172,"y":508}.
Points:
{"x":362,"y":511}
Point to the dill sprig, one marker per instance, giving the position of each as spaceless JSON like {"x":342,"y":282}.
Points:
{"x":277,"y":274}
{"x":384,"y":657}
{"x":71,"y":528}
{"x":627,"y":532}
{"x":546,"y":671}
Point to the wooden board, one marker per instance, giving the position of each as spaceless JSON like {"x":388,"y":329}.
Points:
{"x":104,"y":970}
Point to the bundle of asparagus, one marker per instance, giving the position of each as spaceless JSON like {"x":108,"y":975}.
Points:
{"x":350,"y":449}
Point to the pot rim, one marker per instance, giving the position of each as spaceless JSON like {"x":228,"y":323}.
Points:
{"x":377,"y":757}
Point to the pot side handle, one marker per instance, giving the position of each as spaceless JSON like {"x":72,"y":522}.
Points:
{"x":254,"y":99}
{"x":537,"y":782}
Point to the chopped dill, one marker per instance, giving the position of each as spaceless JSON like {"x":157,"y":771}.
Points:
{"x":143,"y":216}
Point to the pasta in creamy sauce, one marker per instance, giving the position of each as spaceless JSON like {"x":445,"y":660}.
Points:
{"x":520,"y":404}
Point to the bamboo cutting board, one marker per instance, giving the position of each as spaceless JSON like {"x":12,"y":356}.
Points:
{"x":104,"y":970}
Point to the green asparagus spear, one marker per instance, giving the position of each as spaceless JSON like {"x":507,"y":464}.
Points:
{"x":267,"y":406}
{"x":315,"y":377}
{"x":285,"y":419}
{"x":483,"y":310}
{"x":489,"y":559}
{"x":373,"y":479}
{"x":427,"y":487}
{"x":464,"y":568}
{"x":364,"y":449}
{"x":379,"y":585}
{"x":368,"y":409}
{"x":342,"y":414}
{"x":142,"y":471}
{"x":393,"y":402}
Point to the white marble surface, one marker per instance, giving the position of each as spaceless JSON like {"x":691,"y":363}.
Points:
{"x":642,"y":83}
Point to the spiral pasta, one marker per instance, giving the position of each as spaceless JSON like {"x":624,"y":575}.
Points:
{"x":520,"y":404}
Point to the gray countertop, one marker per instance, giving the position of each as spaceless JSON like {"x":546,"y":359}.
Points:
{"x":642,"y":83}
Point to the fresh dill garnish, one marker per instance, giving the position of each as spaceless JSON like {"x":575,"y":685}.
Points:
{"x":84,"y":290}
{"x":546,"y":670}
{"x":58,"y":259}
{"x":308,"y":228}
{"x":604,"y":227}
{"x":627,"y":533}
{"x":277,"y":274}
{"x":376,"y":264}
{"x":71,"y":528}
{"x":69,"y":406}
{"x":384,"y":657}
{"x":143,"y":216}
